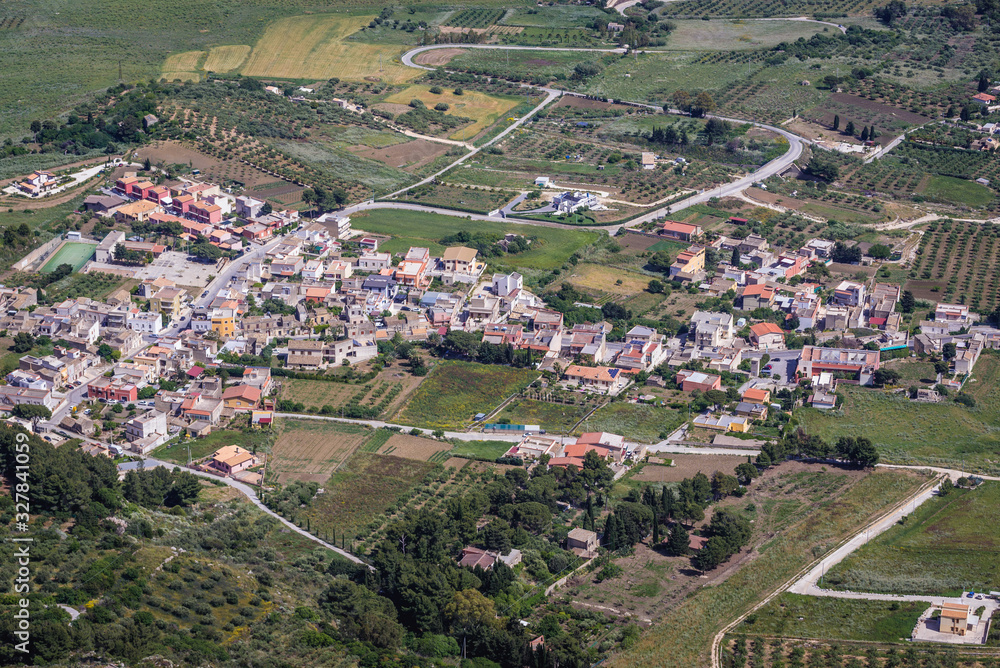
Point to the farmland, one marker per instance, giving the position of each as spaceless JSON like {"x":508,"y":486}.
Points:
{"x":683,"y":634}
{"x":256,"y":441}
{"x":362,"y":489}
{"x":957,"y":262}
{"x":226,"y":58}
{"x":798,"y":616}
{"x":310,"y":450}
{"x":482,"y":108}
{"x":414,"y":447}
{"x":553,"y":417}
{"x":314,"y":47}
{"x":912,"y":433}
{"x":455,"y":391}
{"x":640,"y":422}
{"x":551,"y":248}
{"x":943,"y":548}
{"x":737,"y":34}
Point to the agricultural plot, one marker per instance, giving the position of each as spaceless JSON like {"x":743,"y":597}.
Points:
{"x":559,"y":16}
{"x":943,"y":548}
{"x":72,"y":253}
{"x":475,"y":17}
{"x":639,"y":422}
{"x":484,"y":109}
{"x":550,"y":416}
{"x":467,"y":199}
{"x":957,"y":262}
{"x":348,"y":165}
{"x":183,"y":66}
{"x":314,"y":47}
{"x":310,"y":450}
{"x":361,"y":490}
{"x":911,"y":433}
{"x":455,"y":391}
{"x":551,"y":248}
{"x":737,"y":34}
{"x":226,"y":58}
{"x":414,"y":447}
{"x":797,"y":616}
{"x":480,"y":450}
{"x":957,"y":191}
{"x":767,"y":8}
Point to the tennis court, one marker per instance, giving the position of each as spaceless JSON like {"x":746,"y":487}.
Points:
{"x":73,"y":253}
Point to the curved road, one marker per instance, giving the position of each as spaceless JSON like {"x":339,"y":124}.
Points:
{"x":795,"y":143}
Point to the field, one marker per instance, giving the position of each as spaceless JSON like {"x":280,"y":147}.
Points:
{"x":958,"y":191}
{"x":686,"y":466}
{"x":183,"y":66}
{"x":483,"y":450}
{"x":639,"y":422}
{"x":912,"y":433}
{"x":362,"y":489}
{"x":737,"y":34}
{"x":957,"y":262}
{"x":226,"y":58}
{"x":484,"y":109}
{"x":559,"y":16}
{"x":946,"y":546}
{"x":311,"y":450}
{"x":76,"y":254}
{"x":314,"y":47}
{"x":414,"y":447}
{"x":454,"y":392}
{"x":551,"y":248}
{"x":257,"y":441}
{"x":552,"y":417}
{"x":683,"y":635}
{"x":798,"y":616}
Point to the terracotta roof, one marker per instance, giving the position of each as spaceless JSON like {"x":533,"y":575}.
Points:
{"x":762,"y":328}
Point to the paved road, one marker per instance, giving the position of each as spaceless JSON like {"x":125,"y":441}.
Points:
{"x":251,"y":494}
{"x":459,"y":435}
{"x":364,"y":206}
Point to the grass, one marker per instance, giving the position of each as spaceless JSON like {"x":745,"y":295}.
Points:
{"x":365,"y":486}
{"x":550,"y":249}
{"x":559,"y":16}
{"x":797,"y":616}
{"x":549,"y":416}
{"x":314,"y":47}
{"x":484,"y":109}
{"x":640,"y":422}
{"x":683,"y":636}
{"x":203,"y":447}
{"x":958,"y":191}
{"x":328,"y":157}
{"x":737,"y":35}
{"x":908,"y":432}
{"x":76,"y":254}
{"x":454,"y":392}
{"x":226,"y":58}
{"x":944,"y":547}
{"x":483,"y":450}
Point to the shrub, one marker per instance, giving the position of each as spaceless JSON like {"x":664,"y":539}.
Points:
{"x":441,"y":106}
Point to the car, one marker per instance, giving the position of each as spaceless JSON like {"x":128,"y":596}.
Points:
{"x":767,"y":367}
{"x":87,"y":412}
{"x":979,"y":597}
{"x":970,"y":595}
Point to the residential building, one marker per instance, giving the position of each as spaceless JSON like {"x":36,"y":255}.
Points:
{"x":241,"y":398}
{"x":11,"y":396}
{"x":168,"y":302}
{"x":582,"y":540}
{"x":106,"y":249}
{"x":689,"y":265}
{"x":113,"y":389}
{"x":532,"y":447}
{"x":698,"y":380}
{"x":459,"y":259}
{"x":849,"y":293}
{"x":757,"y":395}
{"x":102,"y":204}
{"x":506,"y":284}
{"x":607,"y":380}
{"x":955,"y":617}
{"x":147,"y":431}
{"x":571,"y":202}
{"x":711,"y":330}
{"x":137,"y":212}
{"x":307,"y":354}
{"x":374,"y":262}
{"x":248,"y":207}
{"x":142,"y":321}
{"x":739,"y":424}
{"x":767,"y":336}
{"x":842,"y":362}
{"x":680,"y":231}
{"x":471,"y":557}
{"x":232,"y":459}
{"x":759,"y":295}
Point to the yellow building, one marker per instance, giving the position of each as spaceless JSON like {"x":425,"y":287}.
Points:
{"x":167,"y":301}
{"x":224,"y":323}
{"x":688,"y":263}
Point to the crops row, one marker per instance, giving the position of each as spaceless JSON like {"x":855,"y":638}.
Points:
{"x":967,"y":255}
{"x":697,"y":8}
{"x":11,"y":22}
{"x":476,"y":17}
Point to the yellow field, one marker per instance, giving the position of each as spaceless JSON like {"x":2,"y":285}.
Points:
{"x":482,"y":108}
{"x":226,"y":58}
{"x":597,"y":277}
{"x":306,"y":47}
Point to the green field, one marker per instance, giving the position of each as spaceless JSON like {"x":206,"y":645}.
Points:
{"x":559,"y":16}
{"x":908,"y":432}
{"x":551,"y":248}
{"x":454,"y":392}
{"x":484,"y":450}
{"x":72,"y":253}
{"x":549,"y":416}
{"x":948,"y":545}
{"x":797,"y":616}
{"x":958,"y":191}
{"x":203,"y":447}
{"x":640,"y":422}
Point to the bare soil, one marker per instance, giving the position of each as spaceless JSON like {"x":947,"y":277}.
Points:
{"x":437,"y":57}
{"x":170,"y":152}
{"x":391,"y":107}
{"x":409,"y":156}
{"x":879,"y":108}
{"x":686,"y":466}
{"x":636,"y":243}
{"x":581,"y":102}
{"x":412,"y":447}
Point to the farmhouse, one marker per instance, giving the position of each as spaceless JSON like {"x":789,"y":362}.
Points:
{"x":232,"y":459}
{"x":954,"y":618}
{"x":581,"y":541}
{"x":680,"y":231}
{"x":571,"y":202}
{"x":983,"y":99}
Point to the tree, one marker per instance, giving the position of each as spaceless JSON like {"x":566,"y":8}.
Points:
{"x":880,"y":252}
{"x":681,"y":100}
{"x":746,"y":472}
{"x":703,"y":104}
{"x":655,"y":286}
{"x":949,"y":351}
{"x":941,"y":366}
{"x":946,"y":487}
{"x":677,"y":544}
{"x":836,"y":122}
{"x":35,"y":127}
{"x":734,"y":259}
{"x":864,"y":133}
{"x":824,"y":170}
{"x":984,"y":82}
{"x":883,"y":377}
{"x":966,"y":114}
{"x":907,"y":302}
{"x":849,"y":129}
{"x":266,"y":209}
{"x":859,"y":451}
{"x":892,"y":11}
{"x":23,"y":342}
{"x":31,"y":412}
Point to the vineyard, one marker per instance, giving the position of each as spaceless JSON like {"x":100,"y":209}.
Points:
{"x":476,"y":17}
{"x":958,"y":262}
{"x":767,"y":8}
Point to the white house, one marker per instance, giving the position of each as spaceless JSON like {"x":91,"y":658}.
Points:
{"x":571,"y":202}
{"x":139,"y":321}
{"x":505,"y":284}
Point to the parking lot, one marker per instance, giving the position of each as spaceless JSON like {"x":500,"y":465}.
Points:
{"x":172,"y":265}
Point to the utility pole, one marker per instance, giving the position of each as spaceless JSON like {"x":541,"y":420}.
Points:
{"x":119,"y":71}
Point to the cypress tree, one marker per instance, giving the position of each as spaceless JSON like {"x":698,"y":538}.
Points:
{"x":678,"y":543}
{"x":836,"y":122}
{"x":735,"y":259}
{"x":656,"y":532}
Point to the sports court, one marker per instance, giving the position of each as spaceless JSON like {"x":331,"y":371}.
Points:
{"x":73,"y":253}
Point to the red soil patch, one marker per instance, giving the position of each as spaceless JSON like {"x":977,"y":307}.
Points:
{"x":437,"y":57}
{"x":411,"y":155}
